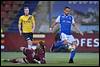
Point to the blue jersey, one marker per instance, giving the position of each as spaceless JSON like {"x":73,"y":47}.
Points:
{"x":65,"y":22}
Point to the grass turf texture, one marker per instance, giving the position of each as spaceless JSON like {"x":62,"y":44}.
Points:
{"x":55,"y":59}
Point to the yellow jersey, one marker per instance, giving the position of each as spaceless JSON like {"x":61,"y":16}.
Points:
{"x":27,"y":23}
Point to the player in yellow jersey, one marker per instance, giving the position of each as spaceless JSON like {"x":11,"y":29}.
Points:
{"x":26,"y":26}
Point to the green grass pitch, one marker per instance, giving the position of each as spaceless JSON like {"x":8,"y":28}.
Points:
{"x":56,"y":59}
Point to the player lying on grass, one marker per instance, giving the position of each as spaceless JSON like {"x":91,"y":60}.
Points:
{"x":31,"y":55}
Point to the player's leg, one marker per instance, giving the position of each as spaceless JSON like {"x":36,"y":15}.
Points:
{"x":60,"y":44}
{"x":17,"y":60}
{"x":39,"y":59}
{"x":72,"y":55}
{"x":72,"y":48}
{"x":5,"y":60}
{"x":29,"y":38}
{"x":43,"y":61}
{"x":57,"y":46}
{"x":64,"y":38}
{"x":29,"y":43}
{"x":70,"y":42}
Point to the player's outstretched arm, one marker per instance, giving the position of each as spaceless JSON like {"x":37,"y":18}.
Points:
{"x":77,"y":29}
{"x":19,"y":26}
{"x":33,"y":28}
{"x":53,"y":26}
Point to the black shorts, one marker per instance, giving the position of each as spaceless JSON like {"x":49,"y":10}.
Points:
{"x":28,"y":36}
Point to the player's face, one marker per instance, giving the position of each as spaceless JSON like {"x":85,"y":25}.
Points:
{"x":26,"y":11}
{"x":38,"y":44}
{"x":67,"y":11}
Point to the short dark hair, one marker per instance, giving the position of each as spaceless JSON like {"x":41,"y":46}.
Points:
{"x":66,"y":8}
{"x":26,"y":8}
{"x":41,"y":42}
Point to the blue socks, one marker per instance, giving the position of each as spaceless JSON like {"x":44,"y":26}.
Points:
{"x":72,"y":54}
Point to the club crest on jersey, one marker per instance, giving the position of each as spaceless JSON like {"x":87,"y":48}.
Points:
{"x":63,"y":21}
{"x":69,"y":18}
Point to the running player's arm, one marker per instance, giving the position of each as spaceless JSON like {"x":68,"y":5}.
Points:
{"x":76,"y":27}
{"x":55,"y":23}
{"x":19,"y":25}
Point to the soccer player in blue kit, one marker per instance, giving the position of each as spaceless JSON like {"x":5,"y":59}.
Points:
{"x":66,"y":21}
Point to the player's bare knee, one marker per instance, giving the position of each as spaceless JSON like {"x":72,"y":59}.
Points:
{"x":65,"y":42}
{"x":29,"y":42}
{"x":74,"y":43}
